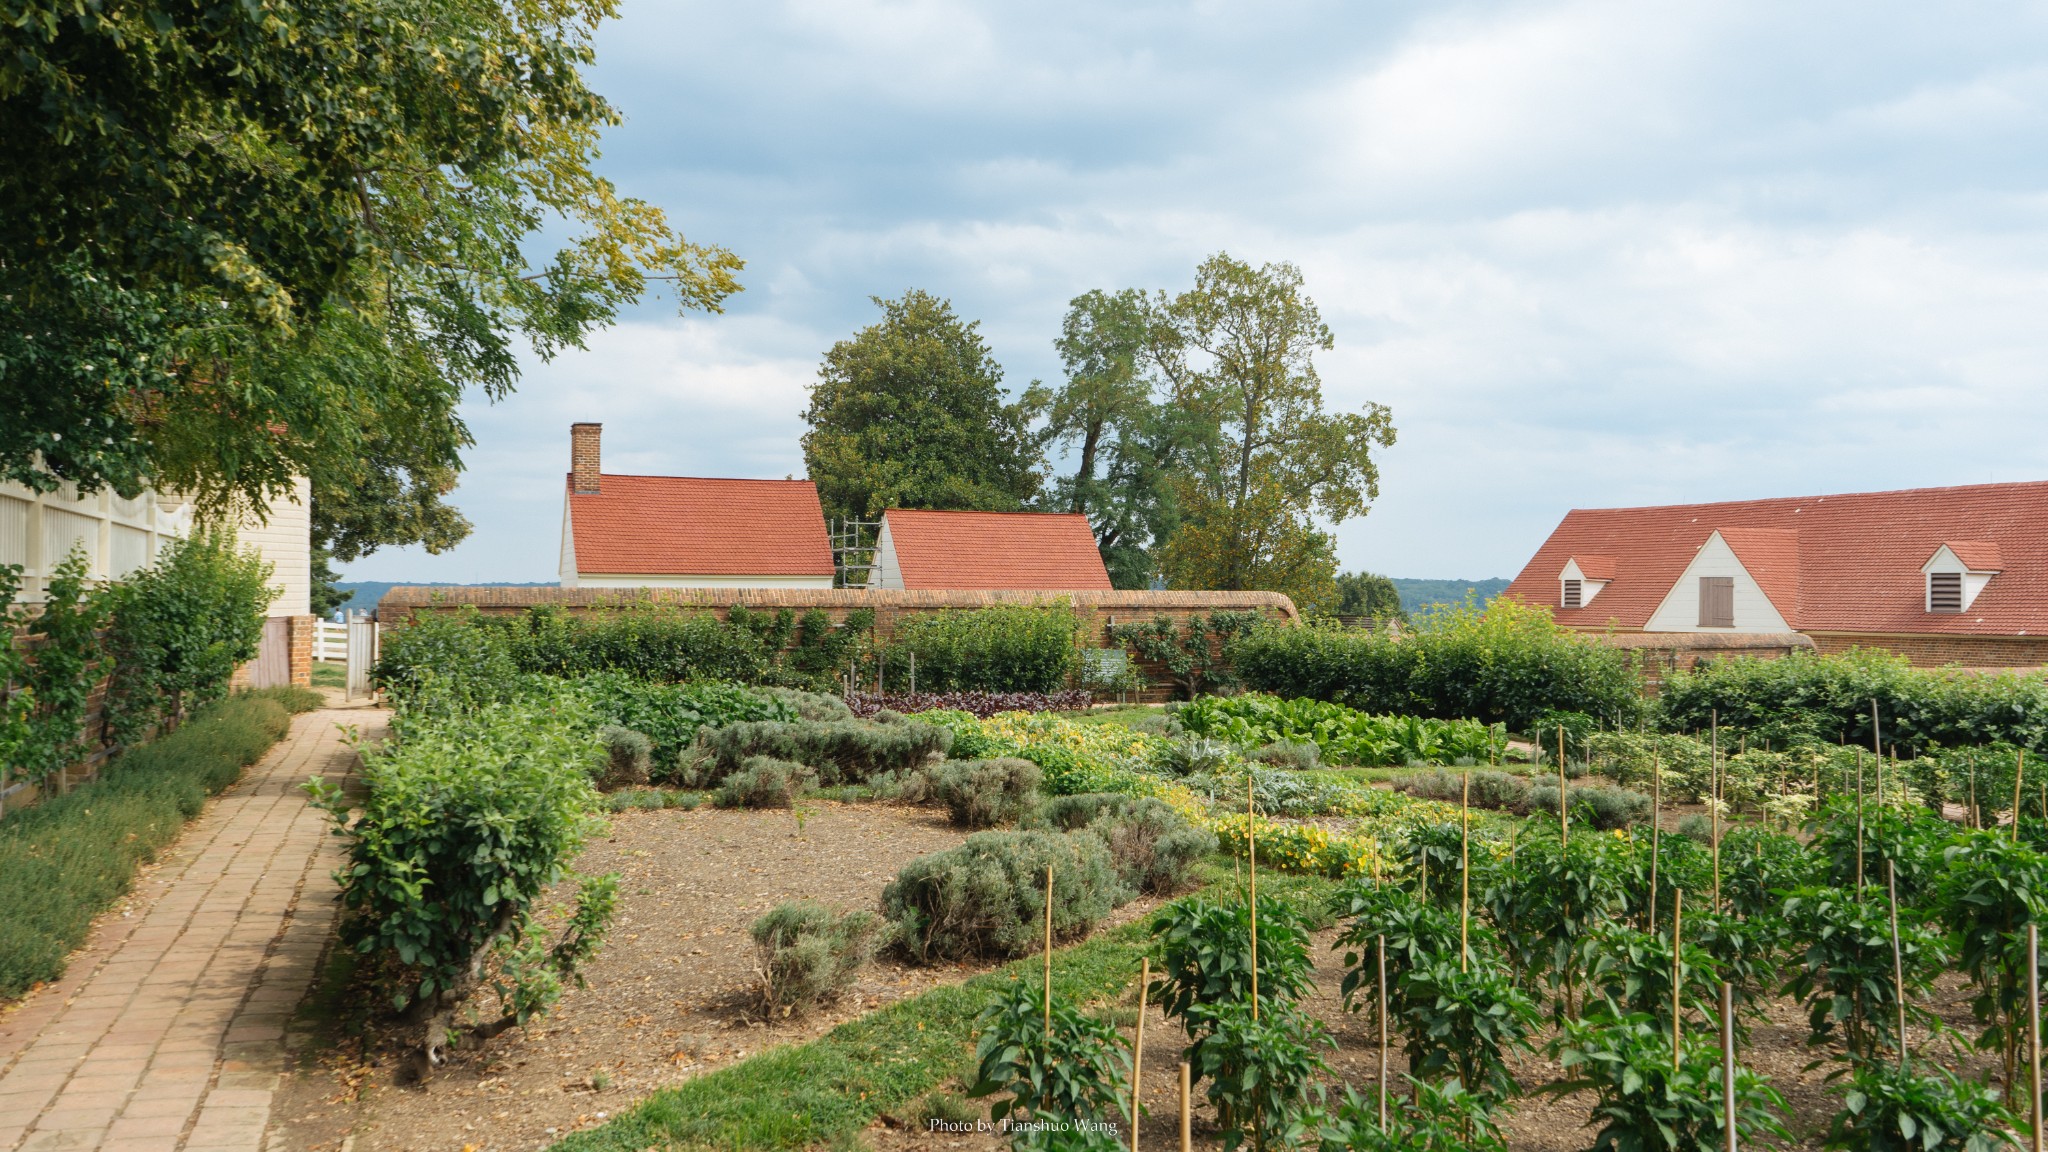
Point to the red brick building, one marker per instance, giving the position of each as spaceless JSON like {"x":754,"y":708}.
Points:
{"x":1940,"y":575}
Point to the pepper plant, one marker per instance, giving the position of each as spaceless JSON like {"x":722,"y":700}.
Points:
{"x":1203,"y":949}
{"x":1992,"y":889}
{"x":1648,"y":1104}
{"x":1842,"y":946}
{"x":1433,"y":1117}
{"x":1261,"y":1069}
{"x":1077,"y":1070}
{"x":1463,"y":1023}
{"x":1892,"y":1106}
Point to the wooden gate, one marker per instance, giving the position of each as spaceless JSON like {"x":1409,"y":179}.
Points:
{"x":274,"y":658}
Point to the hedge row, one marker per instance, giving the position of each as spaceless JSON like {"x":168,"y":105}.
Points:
{"x":66,"y":859}
{"x":1507,"y":664}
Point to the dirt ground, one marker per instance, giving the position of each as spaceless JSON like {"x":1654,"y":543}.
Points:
{"x":669,"y":995}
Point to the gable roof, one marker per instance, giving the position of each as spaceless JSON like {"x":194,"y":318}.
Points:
{"x":1049,"y":551}
{"x":1841,"y":563}
{"x":1594,"y":567}
{"x":694,"y":526}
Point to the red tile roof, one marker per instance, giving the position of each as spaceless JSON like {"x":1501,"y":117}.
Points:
{"x":1595,"y":567}
{"x":1049,"y":551}
{"x":692,"y":526}
{"x":1843,"y":563}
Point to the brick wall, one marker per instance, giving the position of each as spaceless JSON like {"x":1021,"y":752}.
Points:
{"x":1663,"y":653}
{"x":1936,"y":651}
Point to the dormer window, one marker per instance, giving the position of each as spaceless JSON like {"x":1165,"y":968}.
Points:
{"x":1957,"y":573}
{"x":1582,"y":579}
{"x":1574,"y":593}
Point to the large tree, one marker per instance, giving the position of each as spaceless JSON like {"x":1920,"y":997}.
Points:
{"x":251,"y":240}
{"x":1271,"y":466}
{"x":1122,"y":442}
{"x":911,"y":413}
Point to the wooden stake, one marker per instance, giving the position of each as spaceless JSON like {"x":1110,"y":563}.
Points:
{"x":1187,"y":1127}
{"x":2034,"y":1029}
{"x":1891,"y":884}
{"x":1656,"y":802}
{"x":1138,"y":1048}
{"x":1728,"y":1063}
{"x":1048,"y":953}
{"x":1465,"y":878}
{"x":1564,"y":810}
{"x":1382,"y":941}
{"x":1677,"y":968}
{"x":1859,"y":823}
{"x":1972,"y":761}
{"x":1714,"y":773}
{"x":1251,"y":852}
{"x":2019,"y":769}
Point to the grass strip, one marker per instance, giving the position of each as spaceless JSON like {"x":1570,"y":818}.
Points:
{"x":803,"y":1095}
{"x":64,"y":860}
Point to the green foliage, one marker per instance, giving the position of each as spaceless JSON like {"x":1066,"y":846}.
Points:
{"x":1841,"y":941}
{"x":1632,"y":970}
{"x":1758,"y":866}
{"x":1649,"y":1104}
{"x":1260,"y":1067}
{"x":465,"y":824}
{"x":1344,"y":736}
{"x":985,"y":793}
{"x":1204,"y":953}
{"x":179,"y":628}
{"x":764,"y":782}
{"x":1507,"y":664}
{"x":42,"y":724}
{"x":1464,"y":1022}
{"x":1592,"y":805}
{"x":1489,"y":789}
{"x":671,"y":715}
{"x":1827,"y":698}
{"x":627,"y":757}
{"x":65,"y":859}
{"x":464,"y":659}
{"x":843,"y":752}
{"x":1191,"y":653}
{"x":1432,"y":1118}
{"x":1269,"y":466}
{"x":1992,"y":890}
{"x":1367,"y":594}
{"x":807,"y":955}
{"x":910,"y":413}
{"x":1003,"y":648}
{"x":987,"y":896}
{"x":1153,"y":849}
{"x":1891,"y":1107}
{"x":1080,"y":1071}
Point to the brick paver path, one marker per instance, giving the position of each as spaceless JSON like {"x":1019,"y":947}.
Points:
{"x":167,"y":1032}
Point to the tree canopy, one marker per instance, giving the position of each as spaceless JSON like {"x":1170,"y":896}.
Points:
{"x":911,"y":413}
{"x":250,"y":240}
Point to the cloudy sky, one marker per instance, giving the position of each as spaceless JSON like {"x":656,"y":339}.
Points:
{"x":1590,"y":253}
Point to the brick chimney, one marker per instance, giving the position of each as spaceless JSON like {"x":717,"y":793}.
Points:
{"x":583,"y":457}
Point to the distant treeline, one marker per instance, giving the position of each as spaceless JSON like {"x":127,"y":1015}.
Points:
{"x":1418,"y":594}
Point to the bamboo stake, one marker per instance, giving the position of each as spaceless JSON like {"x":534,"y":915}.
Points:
{"x":1048,"y":954}
{"x":1656,"y":802}
{"x":1859,"y":824}
{"x":1677,"y":968}
{"x":1465,"y":879}
{"x":1383,"y":1031}
{"x":1728,"y":1063}
{"x":1187,"y":1127}
{"x":1564,"y":810}
{"x":1138,"y":1048}
{"x":1714,"y":770}
{"x":1972,"y":761}
{"x":1251,"y":853}
{"x":2019,"y":769}
{"x":1891,"y":884}
{"x":2034,"y":1029}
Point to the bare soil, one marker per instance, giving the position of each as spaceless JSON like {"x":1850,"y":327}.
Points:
{"x":670,"y":995}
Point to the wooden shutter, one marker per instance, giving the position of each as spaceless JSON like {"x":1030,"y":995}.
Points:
{"x":1573,"y":594}
{"x":1717,"y":601}
{"x":1944,"y":591}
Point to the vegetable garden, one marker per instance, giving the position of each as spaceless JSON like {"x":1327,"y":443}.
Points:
{"x":1617,"y":916}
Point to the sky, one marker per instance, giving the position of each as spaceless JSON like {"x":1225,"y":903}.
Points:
{"x":1590,"y":254}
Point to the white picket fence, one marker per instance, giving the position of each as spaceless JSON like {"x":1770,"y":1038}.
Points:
{"x":330,"y":641}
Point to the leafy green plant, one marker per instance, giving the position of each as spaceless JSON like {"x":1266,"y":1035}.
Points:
{"x":1433,"y":1117}
{"x":765,"y":782}
{"x":807,"y":955}
{"x":471,"y":663}
{"x":1992,"y":889}
{"x":1463,"y":1022}
{"x":43,"y":724}
{"x":1921,"y":1107}
{"x":671,"y":715}
{"x":1758,"y":866}
{"x":1593,"y":806}
{"x":1547,"y":896}
{"x":1646,"y":1103}
{"x":627,"y":757}
{"x":464,"y":825}
{"x":985,"y":793}
{"x":1002,"y":648}
{"x":178,"y":629}
{"x":1344,"y":736}
{"x":1193,"y":654}
{"x":987,"y":896}
{"x":1632,"y":970}
{"x":1260,"y":1068}
{"x":1489,"y":789}
{"x":1842,"y":943}
{"x":1078,"y":1070}
{"x":1205,"y":956}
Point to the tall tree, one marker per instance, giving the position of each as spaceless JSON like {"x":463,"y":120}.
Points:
{"x":1124,"y":443}
{"x":911,"y":413}
{"x":248,"y":240}
{"x":1368,"y":594}
{"x":1238,"y":352}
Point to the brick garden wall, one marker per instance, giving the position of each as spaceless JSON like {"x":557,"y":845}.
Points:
{"x":1935,"y":651}
{"x":1663,"y":653}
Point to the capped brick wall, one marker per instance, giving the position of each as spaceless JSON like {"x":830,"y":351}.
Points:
{"x":1936,"y":651}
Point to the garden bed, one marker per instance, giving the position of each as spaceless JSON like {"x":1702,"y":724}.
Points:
{"x":671,"y":994}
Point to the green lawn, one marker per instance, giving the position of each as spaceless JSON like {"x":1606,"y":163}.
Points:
{"x":329,"y":675}
{"x":884,"y":1062}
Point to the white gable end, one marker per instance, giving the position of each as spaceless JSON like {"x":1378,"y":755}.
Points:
{"x":888,"y":572}
{"x":568,"y":565}
{"x":1587,"y":588}
{"x":1680,"y":610}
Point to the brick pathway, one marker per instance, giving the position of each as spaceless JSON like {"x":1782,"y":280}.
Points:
{"x":168,"y":1030}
